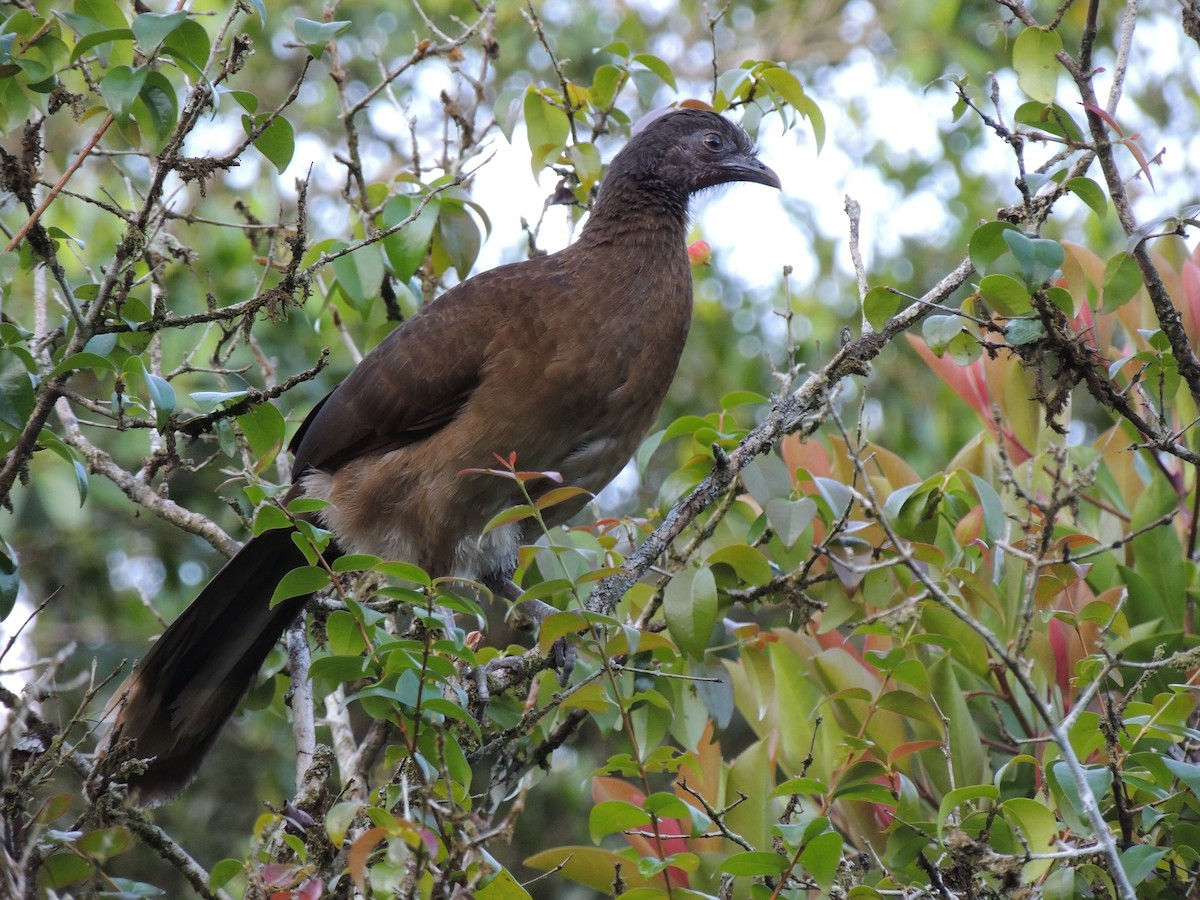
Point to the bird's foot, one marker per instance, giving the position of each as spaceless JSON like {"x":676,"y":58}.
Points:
{"x":562,"y":651}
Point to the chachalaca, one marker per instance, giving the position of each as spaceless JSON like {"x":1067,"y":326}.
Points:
{"x":563,"y":360}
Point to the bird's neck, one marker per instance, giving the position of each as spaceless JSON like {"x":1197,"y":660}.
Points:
{"x":638,"y":213}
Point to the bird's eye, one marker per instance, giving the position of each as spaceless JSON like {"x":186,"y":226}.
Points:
{"x":713,"y":141}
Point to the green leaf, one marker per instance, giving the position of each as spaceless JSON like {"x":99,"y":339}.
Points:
{"x":546,"y":127}
{"x":302,"y":505}
{"x":962,"y":795}
{"x":800,"y":785}
{"x":62,"y":869}
{"x":821,"y":858}
{"x":339,"y":668}
{"x":605,"y":83}
{"x":98,"y":38}
{"x":245,"y":99}
{"x":355,"y":562}
{"x":880,"y":305}
{"x":225,"y":871}
{"x":690,"y":607}
{"x":263,"y":427}
{"x":270,"y":517}
{"x":10,"y":579}
{"x":658,"y":66}
{"x":518,"y":513}
{"x":408,"y":247}
{"x":1139,"y":861}
{"x":1020,"y":332}
{"x":456,"y":240}
{"x":1037,"y":822}
{"x":939,"y":331}
{"x":151,"y":29}
{"x":1006,"y":295}
{"x":966,"y":745}
{"x":277,"y":142}
{"x":753,"y":862}
{"x":360,"y":275}
{"x":964,"y":347}
{"x":911,"y":706}
{"x":666,"y":805}
{"x":300,"y":582}
{"x":190,"y":45}
{"x":732,"y":85}
{"x":987,"y":244}
{"x":16,"y":390}
{"x":1050,"y":118}
{"x":317,"y":35}
{"x":1098,"y":778}
{"x":590,"y":866}
{"x":748,"y":562}
{"x":1034,"y":58}
{"x":84,"y":360}
{"x":158,"y":110}
{"x":1090,"y":193}
{"x":120,"y":88}
{"x":1188,"y":773}
{"x":105,"y":843}
{"x":163,"y":397}
{"x":1122,"y":280}
{"x":612,"y":816}
{"x":1038,"y":258}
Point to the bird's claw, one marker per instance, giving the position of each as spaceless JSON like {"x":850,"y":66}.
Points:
{"x":562,"y":652}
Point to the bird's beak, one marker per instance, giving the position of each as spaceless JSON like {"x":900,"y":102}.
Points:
{"x":750,"y":168}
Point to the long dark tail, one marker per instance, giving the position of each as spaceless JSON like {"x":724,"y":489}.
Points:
{"x":187,"y":687}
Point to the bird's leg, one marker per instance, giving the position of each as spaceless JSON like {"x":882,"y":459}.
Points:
{"x":534,"y":613}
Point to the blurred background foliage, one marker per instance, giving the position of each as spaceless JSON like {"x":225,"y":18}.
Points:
{"x":882,"y":73}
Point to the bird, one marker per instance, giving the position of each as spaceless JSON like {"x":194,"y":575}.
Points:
{"x":561,"y":361}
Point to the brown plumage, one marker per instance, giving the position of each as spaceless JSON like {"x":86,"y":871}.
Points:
{"x":563,"y":359}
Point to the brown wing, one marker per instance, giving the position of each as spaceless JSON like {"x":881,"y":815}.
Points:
{"x":420,"y":376}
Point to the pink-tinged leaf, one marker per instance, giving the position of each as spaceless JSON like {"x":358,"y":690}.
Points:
{"x":508,"y":516}
{"x":311,"y":889}
{"x":523,"y":477}
{"x":1085,"y":325}
{"x":501,"y":473}
{"x":970,"y":382}
{"x":560,"y":495}
{"x":966,"y":381}
{"x":279,"y":876}
{"x":1191,"y":295}
{"x":1112,"y":123}
{"x":1132,"y":146}
{"x":429,"y":839}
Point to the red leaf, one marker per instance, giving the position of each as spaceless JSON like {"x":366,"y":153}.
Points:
{"x":1097,"y":111}
{"x":1060,"y":639}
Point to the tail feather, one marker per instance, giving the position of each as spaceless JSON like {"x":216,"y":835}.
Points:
{"x":187,"y":687}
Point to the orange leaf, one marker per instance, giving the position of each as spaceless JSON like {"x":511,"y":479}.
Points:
{"x":902,"y":750}
{"x":360,"y":851}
